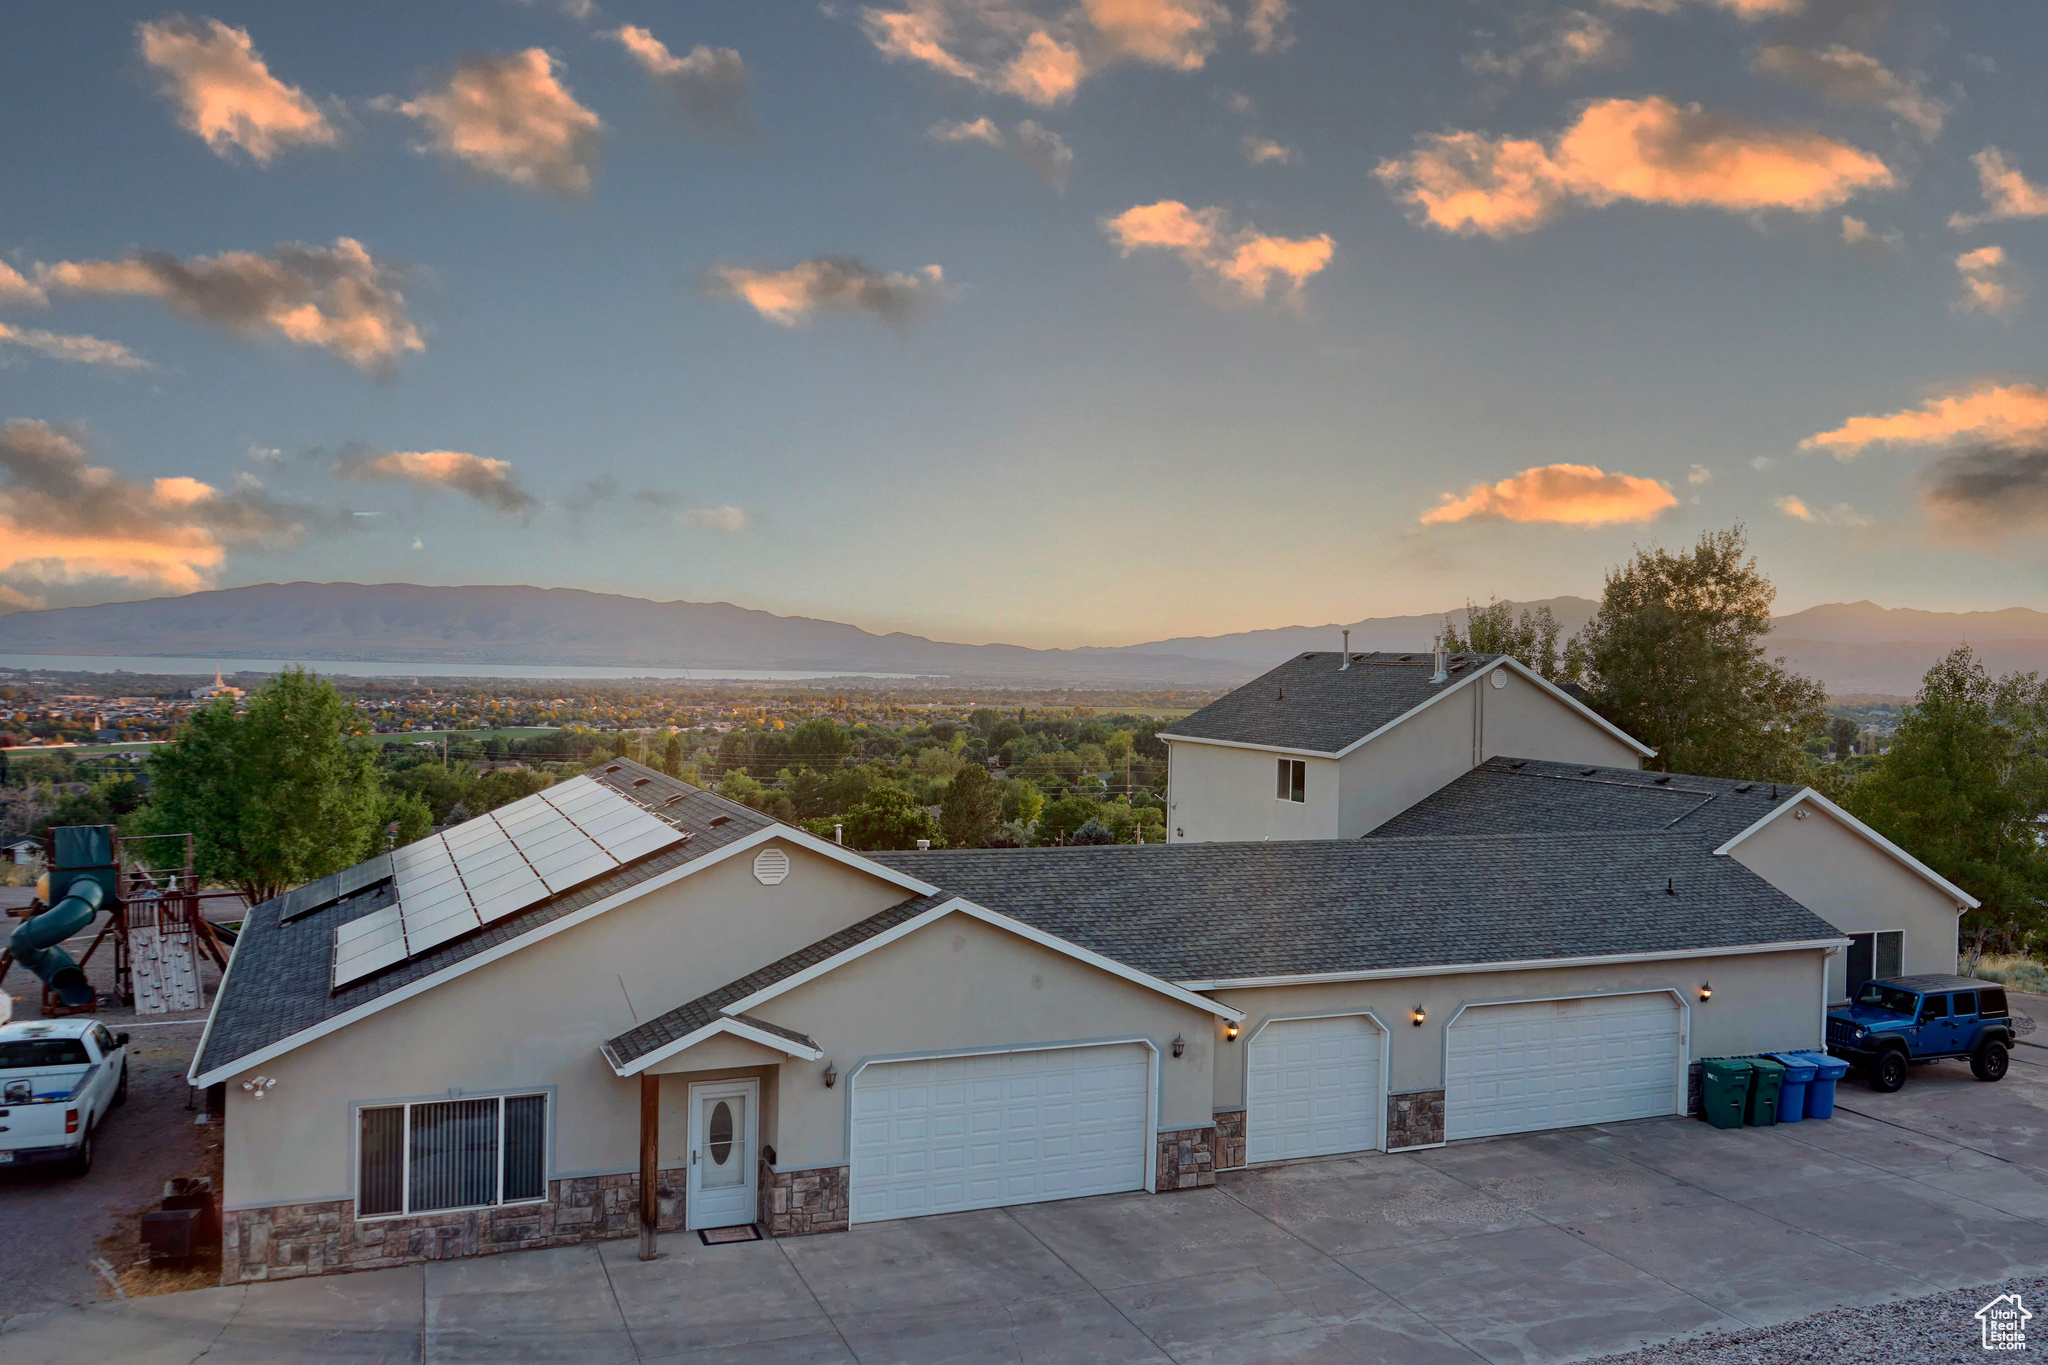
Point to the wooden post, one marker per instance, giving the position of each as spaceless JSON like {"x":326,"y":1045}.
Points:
{"x":650,"y":1143}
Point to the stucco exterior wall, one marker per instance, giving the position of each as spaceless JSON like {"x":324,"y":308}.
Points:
{"x":958,"y":984}
{"x":1217,"y":792}
{"x":534,"y":1020}
{"x":1762,"y":1002}
{"x":1855,"y":886}
{"x":1521,"y":720}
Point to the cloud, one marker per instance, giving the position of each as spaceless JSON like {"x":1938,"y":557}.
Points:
{"x":1266,"y":22}
{"x":1648,"y":151}
{"x":1858,"y":235}
{"x":488,"y":481}
{"x":1573,"y":494}
{"x":80,"y":350}
{"x":1994,"y":489}
{"x":335,"y":298}
{"x":15,"y":289}
{"x":1746,"y":10}
{"x":1988,"y":285}
{"x":1842,"y":73}
{"x":1990,"y":413}
{"x":729,"y":519}
{"x":1841,"y":514}
{"x":1045,"y":152}
{"x":1042,"y":57}
{"x":64,"y":520}
{"x":1263,"y":151}
{"x":1244,"y":260}
{"x":510,"y":117}
{"x":2007,"y":193}
{"x":1699,"y":474}
{"x":226,"y":94}
{"x":1554,"y":47}
{"x":844,"y":283}
{"x":711,"y":83}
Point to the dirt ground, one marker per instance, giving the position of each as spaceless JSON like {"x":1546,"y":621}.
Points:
{"x":67,"y":1239}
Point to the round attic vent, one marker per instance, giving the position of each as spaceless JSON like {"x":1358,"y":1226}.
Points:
{"x":1497,"y":678}
{"x":771,"y":865}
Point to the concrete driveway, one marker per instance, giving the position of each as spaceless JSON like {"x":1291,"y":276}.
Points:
{"x":1549,"y":1247}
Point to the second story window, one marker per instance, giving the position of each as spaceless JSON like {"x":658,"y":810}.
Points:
{"x":1293,"y":780}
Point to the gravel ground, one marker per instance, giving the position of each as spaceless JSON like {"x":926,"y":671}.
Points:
{"x":1934,"y":1330}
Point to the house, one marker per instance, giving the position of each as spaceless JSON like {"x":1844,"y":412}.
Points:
{"x":623,"y":1004}
{"x":22,"y":852}
{"x":1331,"y":745}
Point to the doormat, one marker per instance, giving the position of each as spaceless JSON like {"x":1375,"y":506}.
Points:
{"x":719,"y":1236}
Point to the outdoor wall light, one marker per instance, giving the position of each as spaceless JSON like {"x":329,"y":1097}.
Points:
{"x":831,"y":1075}
{"x":259,"y":1086}
{"x":1230,"y":1030}
{"x":1180,"y":1045}
{"x":1706,"y":991}
{"x":1418,"y":1015}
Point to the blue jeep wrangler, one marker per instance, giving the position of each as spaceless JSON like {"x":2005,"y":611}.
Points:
{"x":1905,"y":1019}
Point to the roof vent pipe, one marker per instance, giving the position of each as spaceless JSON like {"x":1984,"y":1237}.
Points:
{"x":1442,"y":661}
{"x":1346,"y":656}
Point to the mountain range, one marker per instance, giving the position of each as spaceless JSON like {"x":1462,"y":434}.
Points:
{"x":1855,"y":647}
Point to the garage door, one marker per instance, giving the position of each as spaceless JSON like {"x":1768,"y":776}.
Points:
{"x":1559,"y":1063}
{"x":1005,"y":1128}
{"x":1313,"y":1088}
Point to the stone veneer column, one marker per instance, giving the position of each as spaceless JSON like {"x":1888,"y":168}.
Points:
{"x":802,"y":1203}
{"x":1415,"y":1119}
{"x":1229,"y":1139}
{"x":1186,"y":1159}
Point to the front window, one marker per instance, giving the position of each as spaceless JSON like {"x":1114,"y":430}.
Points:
{"x":1293,"y":780}
{"x":1890,"y":999}
{"x":453,"y":1154}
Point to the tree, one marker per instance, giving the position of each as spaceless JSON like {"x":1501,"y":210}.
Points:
{"x":276,"y":795}
{"x":1092,"y":831}
{"x":672,"y":756}
{"x":401,"y":819}
{"x":1022,"y":802}
{"x":503,"y":786}
{"x":1493,"y":629}
{"x":971,"y":810}
{"x":888,"y":817}
{"x":1961,"y":789}
{"x":1675,"y":656}
{"x":1842,"y":734}
{"x":1061,"y":818}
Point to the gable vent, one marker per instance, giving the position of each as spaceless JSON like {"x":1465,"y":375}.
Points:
{"x":771,"y":865}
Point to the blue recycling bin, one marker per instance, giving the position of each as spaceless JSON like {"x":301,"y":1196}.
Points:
{"x":1799,"y":1073}
{"x":1820,"y":1092}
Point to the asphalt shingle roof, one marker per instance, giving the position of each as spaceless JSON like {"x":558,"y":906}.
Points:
{"x":1531,"y":796}
{"x":1311,"y":703}
{"x":1206,"y":912}
{"x":280,"y":980}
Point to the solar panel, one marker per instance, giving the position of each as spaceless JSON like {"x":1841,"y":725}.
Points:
{"x":369,"y":944}
{"x":354,"y":879}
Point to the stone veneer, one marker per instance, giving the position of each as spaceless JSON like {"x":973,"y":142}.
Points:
{"x":800,"y":1203}
{"x":286,"y":1241}
{"x":1187,"y":1159}
{"x":1415,"y":1119}
{"x":1229,"y":1139}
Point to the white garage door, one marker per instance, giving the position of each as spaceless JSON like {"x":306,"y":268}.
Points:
{"x":1004,"y":1128}
{"x":1559,"y":1063}
{"x":1313,"y":1088}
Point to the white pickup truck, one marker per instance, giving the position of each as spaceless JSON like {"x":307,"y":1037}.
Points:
{"x":58,"y":1079}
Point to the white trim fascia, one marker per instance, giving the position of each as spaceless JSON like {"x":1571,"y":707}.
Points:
{"x":1504,"y":661}
{"x":739,"y":1028}
{"x":294,"y":1041}
{"x":1870,"y":835}
{"x":219,"y":992}
{"x":1529,"y":964}
{"x":840,"y":853}
{"x":995,"y":920}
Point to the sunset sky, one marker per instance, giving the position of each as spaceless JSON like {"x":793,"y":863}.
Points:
{"x":1079,"y":322}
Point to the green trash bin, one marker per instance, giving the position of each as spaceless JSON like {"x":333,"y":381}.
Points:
{"x":1724,"y":1083}
{"x":1767,"y":1079}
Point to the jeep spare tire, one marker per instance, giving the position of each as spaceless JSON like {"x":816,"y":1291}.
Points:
{"x":1888,"y":1072}
{"x":1990,"y":1062}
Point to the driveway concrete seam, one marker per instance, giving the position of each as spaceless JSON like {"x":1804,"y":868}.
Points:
{"x":1908,"y":1128}
{"x":798,"y":1271}
{"x":617,"y":1307}
{"x":240,"y":1303}
{"x":1011,"y":1213}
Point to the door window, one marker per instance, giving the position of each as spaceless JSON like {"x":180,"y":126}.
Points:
{"x":1966,"y":1004}
{"x":723,"y":1158}
{"x":1933,"y":1007}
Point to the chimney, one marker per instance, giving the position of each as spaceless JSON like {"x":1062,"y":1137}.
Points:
{"x":1442,"y":662}
{"x":1347,"y":653}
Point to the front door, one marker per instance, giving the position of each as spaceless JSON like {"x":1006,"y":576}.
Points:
{"x":724,"y":1121}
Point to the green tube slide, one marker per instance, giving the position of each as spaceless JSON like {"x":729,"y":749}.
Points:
{"x":34,"y":944}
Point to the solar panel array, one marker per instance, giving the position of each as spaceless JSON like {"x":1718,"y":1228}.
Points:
{"x":497,"y":865}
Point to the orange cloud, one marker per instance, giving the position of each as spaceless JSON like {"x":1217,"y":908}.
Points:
{"x":1266,"y":24}
{"x":1648,"y":151}
{"x":1245,"y":260}
{"x":335,"y":298}
{"x":65,"y":520}
{"x":1987,"y":281}
{"x":2001,"y":413}
{"x":226,"y":94}
{"x":510,"y":117}
{"x":1573,"y":494}
{"x":487,"y":480}
{"x":789,"y":297}
{"x":2007,"y":193}
{"x":1841,"y":514}
{"x":711,"y":83}
{"x":80,"y":350}
{"x":14,"y":289}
